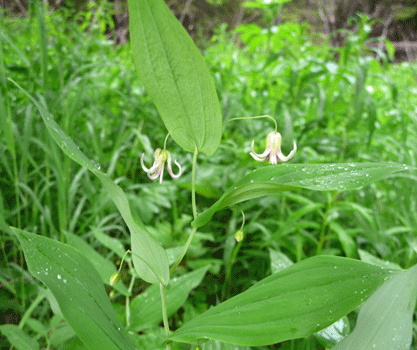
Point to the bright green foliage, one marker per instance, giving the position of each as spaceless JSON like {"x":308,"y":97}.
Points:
{"x":149,"y":257}
{"x":341,"y":105}
{"x":146,"y":307}
{"x":293,"y":303}
{"x":334,"y":333}
{"x":385,"y":319}
{"x":104,"y":267}
{"x":319,"y":177}
{"x":175,"y":75}
{"x":18,"y":338}
{"x":78,"y":289}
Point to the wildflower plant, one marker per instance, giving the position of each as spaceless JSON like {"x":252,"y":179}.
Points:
{"x":295,"y":302}
{"x":162,"y":156}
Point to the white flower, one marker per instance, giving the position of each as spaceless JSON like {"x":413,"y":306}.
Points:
{"x":273,"y":150}
{"x":157,"y":169}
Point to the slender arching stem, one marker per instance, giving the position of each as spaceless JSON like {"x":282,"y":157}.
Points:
{"x":257,"y":117}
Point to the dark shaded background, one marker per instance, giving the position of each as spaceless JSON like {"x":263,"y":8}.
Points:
{"x":398,"y":19}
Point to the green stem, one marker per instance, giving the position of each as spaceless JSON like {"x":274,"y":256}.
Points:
{"x":184,"y":251}
{"x":194,"y":206}
{"x":131,"y":284}
{"x":228,"y":276}
{"x":164,"y":312}
{"x":30,"y":309}
{"x":257,"y":117}
{"x":330,"y":200}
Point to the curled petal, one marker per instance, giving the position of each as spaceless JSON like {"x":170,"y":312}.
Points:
{"x":171,"y":173}
{"x":256,"y":157}
{"x":162,"y":156}
{"x":273,"y":150}
{"x":283,"y":158}
{"x":157,"y":173}
{"x":142,"y":164}
{"x":260,"y":157}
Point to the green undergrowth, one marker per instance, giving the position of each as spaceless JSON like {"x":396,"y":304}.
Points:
{"x":340,"y":105}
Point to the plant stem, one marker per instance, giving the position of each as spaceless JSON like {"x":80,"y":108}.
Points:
{"x":164,"y":312}
{"x":194,"y":206}
{"x":131,"y":284}
{"x":184,"y":250}
{"x":257,"y":117}
{"x":193,"y":184}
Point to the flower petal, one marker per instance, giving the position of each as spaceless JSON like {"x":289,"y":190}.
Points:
{"x":263,"y":154}
{"x":155,"y":174}
{"x":283,"y":158}
{"x":142,"y":164}
{"x":169,"y":166}
{"x":256,"y":157}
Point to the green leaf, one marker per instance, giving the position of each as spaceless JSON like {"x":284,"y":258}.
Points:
{"x":284,"y":177}
{"x":390,"y":49}
{"x":146,"y":307}
{"x":104,"y":267}
{"x":175,"y":76}
{"x":114,"y":244}
{"x":385,"y":320}
{"x":372,"y":259}
{"x":293,"y":303}
{"x":18,"y":338}
{"x":149,"y":257}
{"x":346,"y":241}
{"x":78,"y":289}
{"x":61,"y":335}
{"x":279,"y":261}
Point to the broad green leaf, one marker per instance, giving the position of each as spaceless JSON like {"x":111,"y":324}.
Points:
{"x":175,"y":76}
{"x":293,"y":303}
{"x":284,"y":177}
{"x":385,"y":320}
{"x":104,"y":267}
{"x":78,"y":289}
{"x":145,"y":309}
{"x":18,"y":338}
{"x":149,"y":257}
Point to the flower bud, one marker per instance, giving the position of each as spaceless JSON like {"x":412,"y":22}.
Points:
{"x":239,"y":235}
{"x":115,"y":278}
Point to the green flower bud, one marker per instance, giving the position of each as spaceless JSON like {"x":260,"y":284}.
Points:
{"x":239,"y":235}
{"x":115,"y":278}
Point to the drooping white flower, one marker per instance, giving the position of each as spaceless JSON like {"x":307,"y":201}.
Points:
{"x":273,"y":150}
{"x":157,"y":169}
